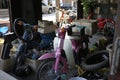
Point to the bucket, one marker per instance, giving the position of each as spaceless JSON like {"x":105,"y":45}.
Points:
{"x":109,"y":49}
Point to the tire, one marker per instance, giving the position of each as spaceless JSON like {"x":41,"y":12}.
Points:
{"x":46,"y":72}
{"x":19,"y":60}
{"x":50,"y":11}
{"x":96,"y":61}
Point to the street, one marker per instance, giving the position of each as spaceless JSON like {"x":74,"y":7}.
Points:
{"x":49,"y":17}
{"x":4,"y":15}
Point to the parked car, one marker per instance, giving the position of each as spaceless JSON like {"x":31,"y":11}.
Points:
{"x":47,"y":8}
{"x":66,"y":6}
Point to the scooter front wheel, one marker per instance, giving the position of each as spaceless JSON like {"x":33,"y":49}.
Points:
{"x":46,"y":70}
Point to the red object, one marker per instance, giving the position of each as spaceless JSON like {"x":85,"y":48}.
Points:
{"x":102,"y":21}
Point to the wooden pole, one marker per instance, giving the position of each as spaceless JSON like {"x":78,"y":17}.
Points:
{"x":58,"y":7}
{"x":79,"y":9}
{"x":116,"y":76}
{"x":10,"y":14}
{"x":0,"y":3}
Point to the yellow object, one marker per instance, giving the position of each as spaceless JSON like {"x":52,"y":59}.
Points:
{"x":1,"y":44}
{"x":1,"y":40}
{"x":80,"y":70}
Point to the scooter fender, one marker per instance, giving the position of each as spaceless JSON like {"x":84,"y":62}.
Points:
{"x":52,"y":55}
{"x":47,"y":56}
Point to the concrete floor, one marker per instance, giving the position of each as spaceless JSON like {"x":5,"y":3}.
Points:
{"x":5,"y":76}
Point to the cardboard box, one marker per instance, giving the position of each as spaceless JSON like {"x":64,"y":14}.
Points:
{"x":33,"y":63}
{"x":46,"y":26}
{"x":6,"y":65}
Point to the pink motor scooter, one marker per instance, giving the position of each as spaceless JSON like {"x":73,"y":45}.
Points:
{"x":55,"y":63}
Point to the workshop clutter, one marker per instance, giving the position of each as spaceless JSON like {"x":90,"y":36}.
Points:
{"x":91,"y":26}
{"x":46,"y":26}
{"x":109,"y":48}
{"x":47,"y":41}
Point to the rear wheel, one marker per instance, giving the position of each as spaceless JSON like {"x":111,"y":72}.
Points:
{"x":46,"y":71}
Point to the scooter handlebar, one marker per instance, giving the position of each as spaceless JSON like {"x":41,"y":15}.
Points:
{"x":70,"y":26}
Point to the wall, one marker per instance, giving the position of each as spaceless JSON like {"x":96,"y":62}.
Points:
{"x":106,"y":9}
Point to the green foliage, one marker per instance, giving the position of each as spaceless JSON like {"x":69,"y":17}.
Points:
{"x":88,"y":5}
